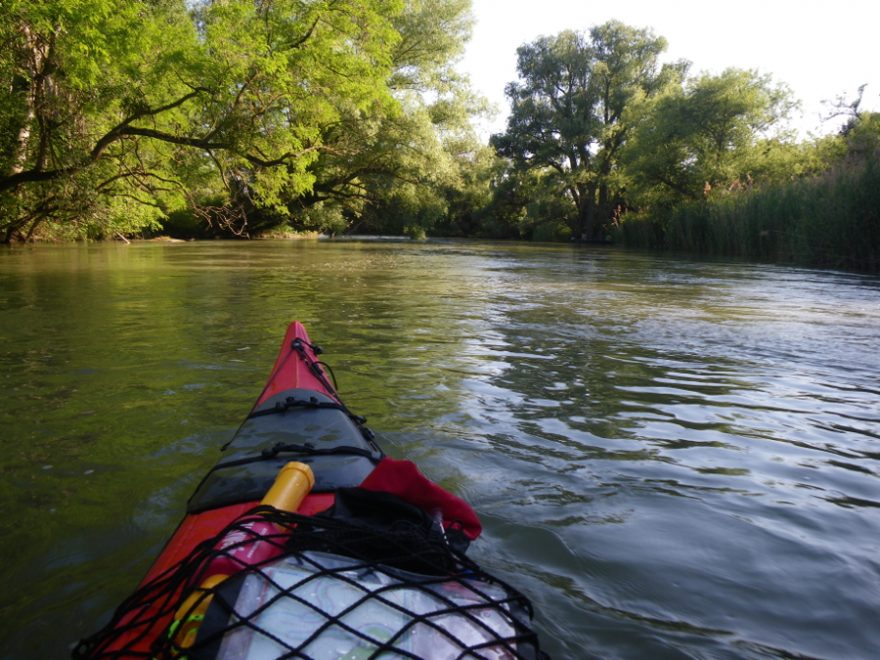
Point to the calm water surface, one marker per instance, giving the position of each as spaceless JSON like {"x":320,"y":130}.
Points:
{"x":672,"y":458}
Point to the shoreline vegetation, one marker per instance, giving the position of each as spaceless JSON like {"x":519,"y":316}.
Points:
{"x":234,"y":119}
{"x":831,"y":220}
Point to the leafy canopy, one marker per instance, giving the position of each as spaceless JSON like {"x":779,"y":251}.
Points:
{"x":572,"y":110}
{"x":158,"y":100}
{"x":714,"y":131}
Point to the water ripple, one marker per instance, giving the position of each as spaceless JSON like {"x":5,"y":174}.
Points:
{"x":672,"y":458}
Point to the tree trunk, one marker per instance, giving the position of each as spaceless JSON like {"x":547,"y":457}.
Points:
{"x":586,"y":208}
{"x":34,"y":61}
{"x":603,"y":210}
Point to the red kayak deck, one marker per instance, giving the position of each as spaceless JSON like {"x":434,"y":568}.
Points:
{"x":296,"y":367}
{"x":290,"y":371}
{"x":385,"y":522}
{"x":197,"y":527}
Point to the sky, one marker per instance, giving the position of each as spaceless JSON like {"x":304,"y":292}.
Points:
{"x":821,"y":50}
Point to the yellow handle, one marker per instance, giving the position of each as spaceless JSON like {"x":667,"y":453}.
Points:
{"x":189,"y":615}
{"x":294,"y":481}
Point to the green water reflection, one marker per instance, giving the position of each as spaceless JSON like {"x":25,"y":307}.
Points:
{"x":671,"y":457}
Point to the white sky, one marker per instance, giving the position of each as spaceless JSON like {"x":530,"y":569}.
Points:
{"x":820,"y":49}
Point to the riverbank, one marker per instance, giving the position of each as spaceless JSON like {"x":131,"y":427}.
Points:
{"x":827,"y":221}
{"x":830,"y":220}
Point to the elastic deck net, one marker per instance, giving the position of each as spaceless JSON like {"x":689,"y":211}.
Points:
{"x":276,"y":584}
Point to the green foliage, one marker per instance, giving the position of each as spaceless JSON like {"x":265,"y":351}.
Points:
{"x":321,"y":217}
{"x":862,"y":136}
{"x":573,"y":109}
{"x":292,"y":67}
{"x":526,"y":204}
{"x":830,"y":220}
{"x":184,"y":223}
{"x":705,"y":136}
{"x":71,"y":69}
{"x":814,"y":203}
{"x":166,"y":102}
{"x":416,"y":232}
{"x":469,"y":195}
{"x":701,"y":164}
{"x":374,"y":159}
{"x":432,"y":36}
{"x":219,"y":117}
{"x":407,"y":209}
{"x":409,"y":157}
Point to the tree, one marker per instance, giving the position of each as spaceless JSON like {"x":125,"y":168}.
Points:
{"x":470,"y":195}
{"x":152,"y":102}
{"x":63,"y":64}
{"x":849,"y":110}
{"x":863,"y":136}
{"x":713,"y":134}
{"x":393,"y":167}
{"x":572,"y":110}
{"x":860,"y":129}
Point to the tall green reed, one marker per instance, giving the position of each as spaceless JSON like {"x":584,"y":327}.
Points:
{"x":831,"y":220}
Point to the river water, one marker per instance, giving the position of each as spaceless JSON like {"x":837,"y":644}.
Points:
{"x":672,"y":458}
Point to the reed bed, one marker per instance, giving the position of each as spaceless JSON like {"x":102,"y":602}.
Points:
{"x":831,"y":220}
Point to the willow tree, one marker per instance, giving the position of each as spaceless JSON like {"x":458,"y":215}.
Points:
{"x":571,"y":111}
{"x":392,"y":167}
{"x":115,"y":112}
{"x":716,"y":132}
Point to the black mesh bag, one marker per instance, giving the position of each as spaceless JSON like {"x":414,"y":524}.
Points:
{"x":371,"y":578}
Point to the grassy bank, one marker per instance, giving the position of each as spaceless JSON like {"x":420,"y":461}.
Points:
{"x":831,"y":221}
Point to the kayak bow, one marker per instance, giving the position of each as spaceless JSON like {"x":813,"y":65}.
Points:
{"x":305,"y":540}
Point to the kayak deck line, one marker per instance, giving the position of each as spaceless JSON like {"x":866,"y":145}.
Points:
{"x":367,"y":559}
{"x":292,"y":402}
